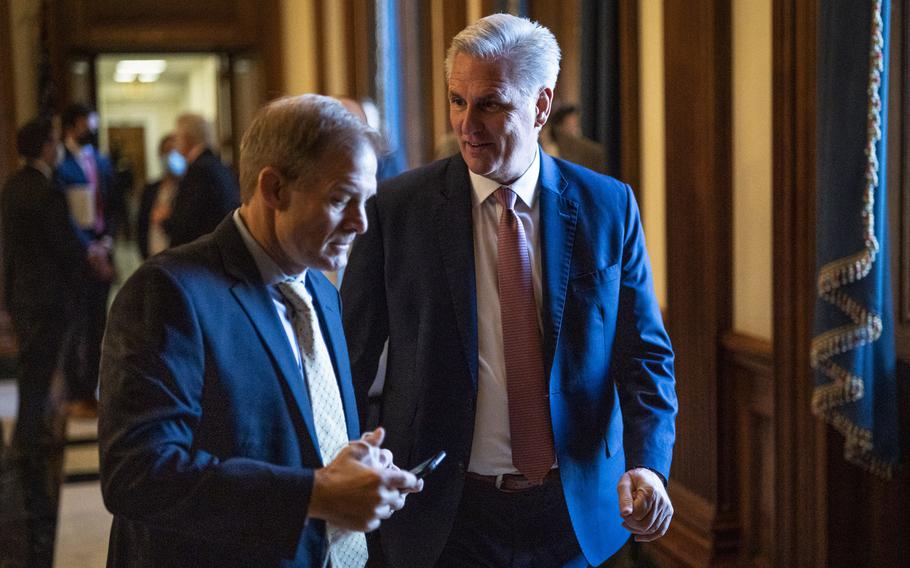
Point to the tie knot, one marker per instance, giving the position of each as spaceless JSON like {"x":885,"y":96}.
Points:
{"x":505,"y":197}
{"x":296,"y":293}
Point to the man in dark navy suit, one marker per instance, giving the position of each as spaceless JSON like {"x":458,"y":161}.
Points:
{"x":227,"y":410}
{"x":45,"y":265}
{"x":207,"y":191}
{"x":89,"y":183}
{"x":524,"y":338}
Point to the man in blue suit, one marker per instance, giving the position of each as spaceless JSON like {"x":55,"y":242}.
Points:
{"x":514,"y":293}
{"x":226,"y":401}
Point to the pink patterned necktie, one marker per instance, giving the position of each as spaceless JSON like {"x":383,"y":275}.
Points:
{"x":529,"y":403}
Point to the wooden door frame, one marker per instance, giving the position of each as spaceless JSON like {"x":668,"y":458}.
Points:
{"x":800,"y":452}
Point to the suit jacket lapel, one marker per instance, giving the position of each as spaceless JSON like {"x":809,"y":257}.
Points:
{"x":253,"y":297}
{"x":455,"y":239}
{"x":332,"y":331}
{"x":558,"y":216}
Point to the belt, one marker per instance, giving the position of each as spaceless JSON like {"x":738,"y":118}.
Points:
{"x":511,"y":482}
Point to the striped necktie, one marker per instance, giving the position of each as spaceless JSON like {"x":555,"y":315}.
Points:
{"x":529,"y":404}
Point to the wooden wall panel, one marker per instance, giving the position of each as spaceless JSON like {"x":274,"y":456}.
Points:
{"x":699,"y":299}
{"x":800,"y":453}
{"x":563,"y":19}
{"x":698,"y":224}
{"x":748,"y":363}
{"x":8,"y":163}
{"x":164,"y":25}
{"x":8,"y":158}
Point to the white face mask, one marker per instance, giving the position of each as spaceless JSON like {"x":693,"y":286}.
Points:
{"x":60,"y":154}
{"x":174,"y":162}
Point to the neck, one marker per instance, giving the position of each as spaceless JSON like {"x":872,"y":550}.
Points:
{"x":261,"y":226}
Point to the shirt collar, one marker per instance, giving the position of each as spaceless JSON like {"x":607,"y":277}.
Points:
{"x":525,"y":187}
{"x":42,"y":167}
{"x":269,"y":270}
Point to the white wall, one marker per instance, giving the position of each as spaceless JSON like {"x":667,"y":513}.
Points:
{"x":752,"y":172}
{"x":156,"y":106}
{"x":653,"y":161}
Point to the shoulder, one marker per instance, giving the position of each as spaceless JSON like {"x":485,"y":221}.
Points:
{"x":419,"y":180}
{"x":593,"y":191}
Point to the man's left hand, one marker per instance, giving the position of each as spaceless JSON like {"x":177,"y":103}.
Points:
{"x":644,"y":504}
{"x":381,"y":459}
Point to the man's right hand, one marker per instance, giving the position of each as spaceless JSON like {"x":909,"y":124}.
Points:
{"x":351,"y":493}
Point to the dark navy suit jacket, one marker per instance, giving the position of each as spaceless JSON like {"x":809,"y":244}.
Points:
{"x":206,"y":432}
{"x":610,"y":364}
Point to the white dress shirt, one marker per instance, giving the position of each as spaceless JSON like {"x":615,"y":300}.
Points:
{"x":491,"y":450}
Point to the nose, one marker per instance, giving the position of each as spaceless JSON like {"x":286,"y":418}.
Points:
{"x":357,"y":218}
{"x":470,"y":120}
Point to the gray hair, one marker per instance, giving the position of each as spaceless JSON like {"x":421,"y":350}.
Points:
{"x":296,"y":135}
{"x":197,"y":129}
{"x":531,"y":49}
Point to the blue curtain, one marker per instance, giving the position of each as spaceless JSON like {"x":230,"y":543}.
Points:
{"x":389,"y":81}
{"x":853,"y":346}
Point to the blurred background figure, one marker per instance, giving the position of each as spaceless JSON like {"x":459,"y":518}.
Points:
{"x":206,"y":193}
{"x":562,"y":137}
{"x":88,"y":182}
{"x":391,"y":162}
{"x":157,"y":199}
{"x":45,"y":263}
{"x":446,"y":146}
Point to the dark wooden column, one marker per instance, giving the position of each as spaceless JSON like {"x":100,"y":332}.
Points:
{"x":799,"y":437}
{"x":7,"y":96}
{"x":704,"y":483}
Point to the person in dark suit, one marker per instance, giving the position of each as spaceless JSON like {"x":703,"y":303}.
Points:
{"x":226,"y":401}
{"x":514,"y":293}
{"x":208,"y":190}
{"x":157,"y":199}
{"x":45,"y":263}
{"x":565,"y":140}
{"x":89,"y":183}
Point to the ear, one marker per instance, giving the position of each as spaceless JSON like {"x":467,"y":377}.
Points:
{"x":273,"y":188}
{"x":544,"y":105}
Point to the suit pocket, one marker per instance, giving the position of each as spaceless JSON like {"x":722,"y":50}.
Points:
{"x":595,"y":279}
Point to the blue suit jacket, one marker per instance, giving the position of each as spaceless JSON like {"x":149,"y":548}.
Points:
{"x":411,"y":280}
{"x":206,"y":432}
{"x":69,"y":172}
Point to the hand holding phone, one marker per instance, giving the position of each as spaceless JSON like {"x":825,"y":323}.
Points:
{"x":425,"y":468}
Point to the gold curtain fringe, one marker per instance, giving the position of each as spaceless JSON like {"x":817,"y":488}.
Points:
{"x":857,"y":444}
{"x":843,"y":339}
{"x":846,"y":387}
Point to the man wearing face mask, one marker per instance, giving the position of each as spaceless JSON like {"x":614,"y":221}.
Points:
{"x":44,"y":262}
{"x":158,"y":198}
{"x":207,"y":192}
{"x":88,"y":182}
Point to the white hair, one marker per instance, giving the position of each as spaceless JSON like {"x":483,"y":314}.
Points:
{"x":296,"y":135}
{"x":529,"y":47}
{"x":196,"y":129}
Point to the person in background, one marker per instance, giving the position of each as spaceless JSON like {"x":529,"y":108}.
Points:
{"x":157,"y":199}
{"x":45,"y":265}
{"x":562,"y":138}
{"x":208,"y":190}
{"x":88,"y":181}
{"x":391,"y":160}
{"x":229,"y":435}
{"x":524,"y":335}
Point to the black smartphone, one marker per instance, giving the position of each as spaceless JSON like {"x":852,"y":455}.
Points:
{"x":425,"y":468}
